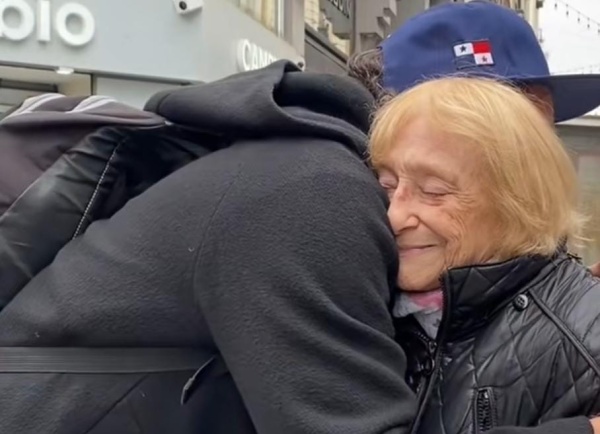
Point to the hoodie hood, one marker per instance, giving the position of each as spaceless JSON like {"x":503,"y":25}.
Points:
{"x":277,"y":101}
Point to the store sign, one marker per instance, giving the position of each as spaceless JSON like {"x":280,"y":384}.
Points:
{"x":39,"y":19}
{"x":250,"y":56}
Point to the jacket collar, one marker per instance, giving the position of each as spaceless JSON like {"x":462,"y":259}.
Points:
{"x":472,"y":294}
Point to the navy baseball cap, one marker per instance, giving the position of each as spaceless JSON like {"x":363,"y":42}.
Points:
{"x":480,"y":38}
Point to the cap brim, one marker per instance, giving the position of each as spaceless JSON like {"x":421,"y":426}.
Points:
{"x":573,"y":95}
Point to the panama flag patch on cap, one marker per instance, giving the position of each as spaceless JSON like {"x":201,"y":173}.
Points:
{"x":476,"y":52}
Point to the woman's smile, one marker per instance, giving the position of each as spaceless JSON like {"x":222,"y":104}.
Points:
{"x":412,"y":251}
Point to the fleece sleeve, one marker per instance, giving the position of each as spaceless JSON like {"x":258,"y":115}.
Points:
{"x":293,"y":278}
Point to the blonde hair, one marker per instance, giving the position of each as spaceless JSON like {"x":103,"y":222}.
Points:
{"x":528,"y":173}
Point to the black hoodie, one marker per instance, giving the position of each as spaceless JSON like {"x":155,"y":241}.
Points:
{"x":271,"y":256}
{"x":273,"y":253}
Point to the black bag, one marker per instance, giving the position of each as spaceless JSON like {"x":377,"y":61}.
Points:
{"x":66,"y":162}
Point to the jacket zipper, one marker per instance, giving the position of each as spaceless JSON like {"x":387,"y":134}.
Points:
{"x":484,"y":410}
{"x":425,"y":393}
{"x":430,"y":345}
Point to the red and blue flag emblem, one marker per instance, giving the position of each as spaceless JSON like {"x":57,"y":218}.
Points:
{"x":474,"y":53}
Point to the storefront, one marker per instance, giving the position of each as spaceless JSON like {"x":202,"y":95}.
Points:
{"x":131,"y":49}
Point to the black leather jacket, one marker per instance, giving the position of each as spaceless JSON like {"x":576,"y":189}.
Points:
{"x":519,"y":344}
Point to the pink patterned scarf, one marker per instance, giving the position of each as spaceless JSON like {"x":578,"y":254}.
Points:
{"x":425,"y":306}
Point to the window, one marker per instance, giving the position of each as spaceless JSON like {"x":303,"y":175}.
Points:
{"x":268,"y":12}
{"x":315,"y":16}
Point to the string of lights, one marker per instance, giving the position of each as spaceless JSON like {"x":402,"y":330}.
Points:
{"x":585,"y":21}
{"x":588,"y":36}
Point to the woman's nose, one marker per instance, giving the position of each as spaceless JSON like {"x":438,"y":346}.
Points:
{"x":401,"y":218}
{"x":401,"y":213}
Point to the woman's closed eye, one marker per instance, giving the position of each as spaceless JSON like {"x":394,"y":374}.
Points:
{"x":388,"y":182}
{"x":434,"y":190}
{"x":390,"y":189}
{"x":433,"y":193}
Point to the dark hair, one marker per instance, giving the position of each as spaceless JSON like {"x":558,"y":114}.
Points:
{"x":367,"y":67}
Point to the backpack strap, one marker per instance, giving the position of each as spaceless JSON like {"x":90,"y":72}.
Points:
{"x":68,"y":360}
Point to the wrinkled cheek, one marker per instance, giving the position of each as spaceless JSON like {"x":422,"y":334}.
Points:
{"x":453,"y":254}
{"x":457,"y":251}
{"x":466,"y":236}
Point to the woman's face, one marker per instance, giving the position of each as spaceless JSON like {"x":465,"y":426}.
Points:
{"x":438,"y":210}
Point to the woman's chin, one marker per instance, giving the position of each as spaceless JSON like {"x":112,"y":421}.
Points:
{"x":417,"y":285}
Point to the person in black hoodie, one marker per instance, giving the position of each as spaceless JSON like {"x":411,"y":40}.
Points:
{"x":271,"y":256}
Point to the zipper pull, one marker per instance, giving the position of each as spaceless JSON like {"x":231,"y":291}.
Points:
{"x":430,"y":364}
{"x":431,"y":347}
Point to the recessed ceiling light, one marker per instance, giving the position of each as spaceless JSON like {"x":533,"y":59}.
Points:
{"x":64,"y":70}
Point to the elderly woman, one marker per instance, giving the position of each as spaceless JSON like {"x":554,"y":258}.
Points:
{"x":500,"y":324}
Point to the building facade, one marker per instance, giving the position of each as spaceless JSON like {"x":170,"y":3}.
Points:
{"x":337,"y":28}
{"x":78,"y":47}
